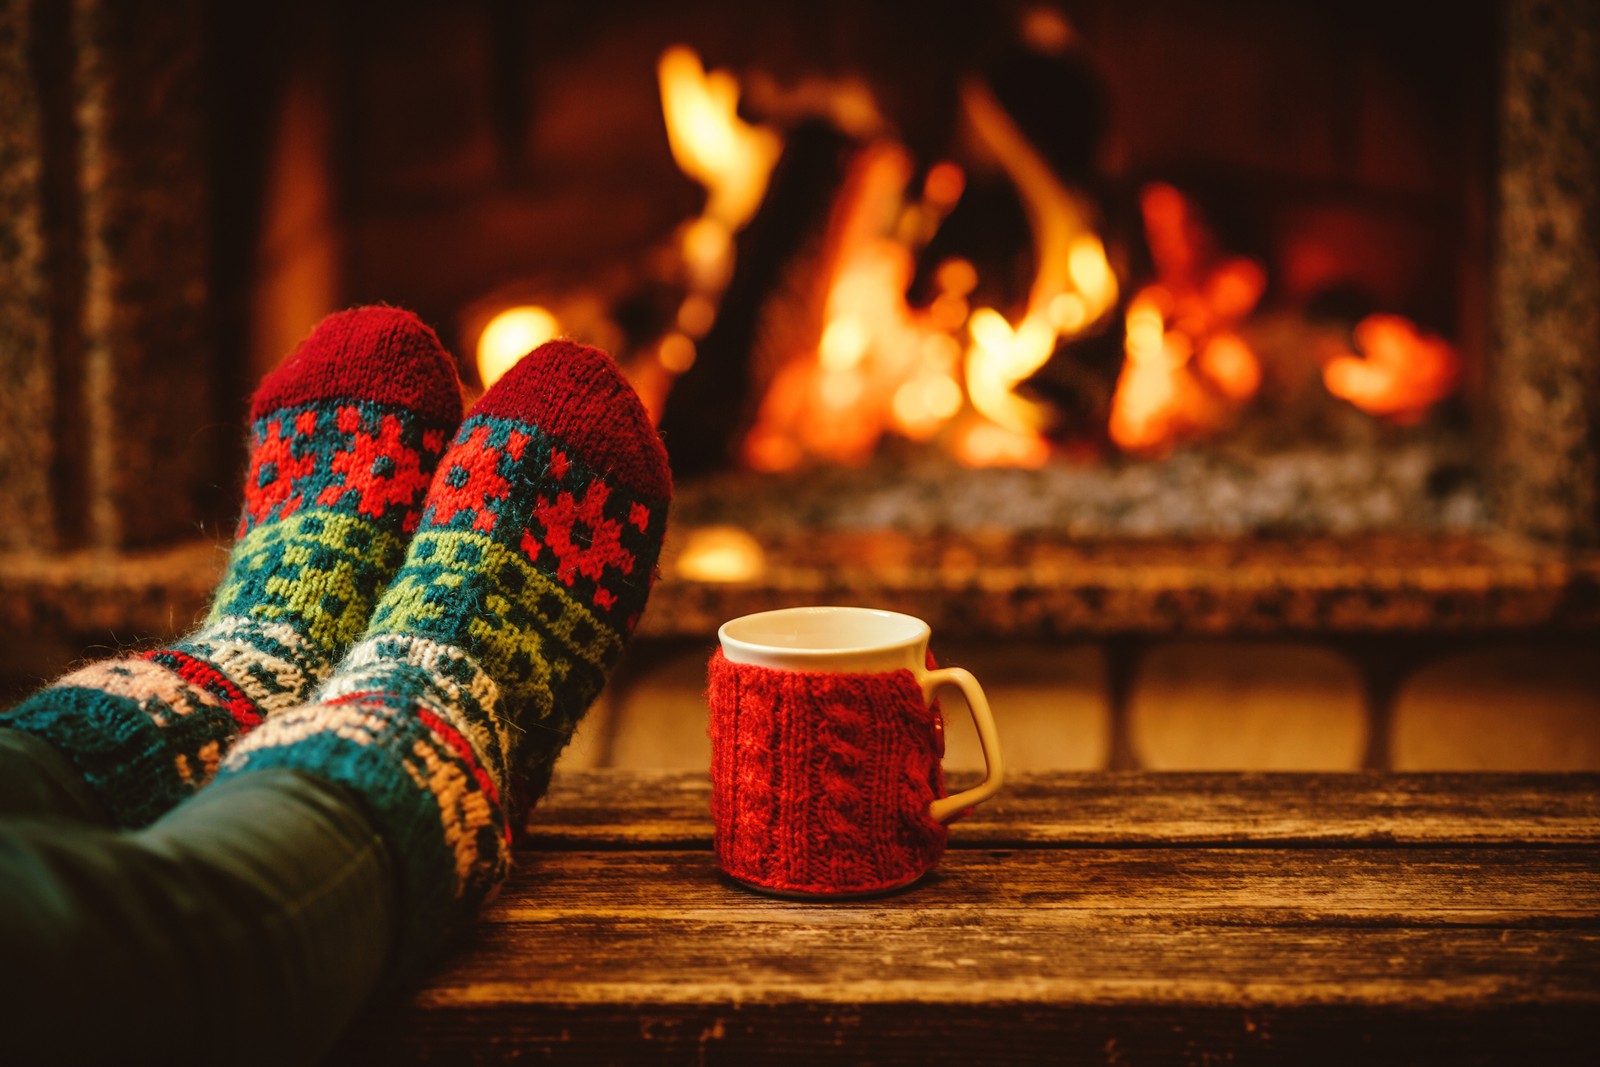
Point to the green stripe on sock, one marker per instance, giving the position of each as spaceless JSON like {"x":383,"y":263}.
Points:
{"x":318,"y":570}
{"x":516,"y":595}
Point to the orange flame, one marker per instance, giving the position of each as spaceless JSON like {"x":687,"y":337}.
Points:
{"x":1405,"y":371}
{"x":733,"y":160}
{"x":866,"y":363}
{"x":710,"y":142}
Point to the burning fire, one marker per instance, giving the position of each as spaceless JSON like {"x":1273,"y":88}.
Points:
{"x":867,"y":363}
{"x":881,"y":365}
{"x":878,"y":364}
{"x":733,"y":160}
{"x":1187,"y":371}
{"x":1072,"y":288}
{"x":1405,"y":371}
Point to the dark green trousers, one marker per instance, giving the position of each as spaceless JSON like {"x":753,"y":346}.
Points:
{"x":250,"y":924}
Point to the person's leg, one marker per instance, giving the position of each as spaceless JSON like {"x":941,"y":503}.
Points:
{"x":37,"y":780}
{"x":531,"y":566}
{"x":250,"y":924}
{"x":345,"y":437}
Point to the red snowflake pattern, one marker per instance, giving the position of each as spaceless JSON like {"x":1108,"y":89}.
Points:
{"x":469,"y":481}
{"x":516,"y":441}
{"x":381,"y":468}
{"x":603,"y":549}
{"x":269,"y":486}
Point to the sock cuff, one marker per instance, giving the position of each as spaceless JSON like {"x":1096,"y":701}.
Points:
{"x":440,"y":679}
{"x":271,"y":663}
{"x":143,"y":734}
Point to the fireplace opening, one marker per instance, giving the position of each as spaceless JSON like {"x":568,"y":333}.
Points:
{"x":1101,"y":269}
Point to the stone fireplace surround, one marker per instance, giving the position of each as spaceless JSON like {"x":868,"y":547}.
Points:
{"x":114,"y":432}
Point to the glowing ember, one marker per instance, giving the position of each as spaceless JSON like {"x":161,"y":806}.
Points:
{"x":509,"y":336}
{"x":1188,"y":371}
{"x":720,"y":554}
{"x":1405,"y":371}
{"x":985,"y":444}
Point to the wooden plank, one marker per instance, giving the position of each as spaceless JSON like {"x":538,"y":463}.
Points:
{"x":1434,"y":887}
{"x":995,"y":1035}
{"x":1090,"y":918}
{"x":596,"y":809}
{"x":1075,"y":956}
{"x":1021,"y":959}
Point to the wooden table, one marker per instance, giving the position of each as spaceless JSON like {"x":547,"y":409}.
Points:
{"x":1078,"y":918}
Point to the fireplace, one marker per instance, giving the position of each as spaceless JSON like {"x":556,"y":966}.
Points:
{"x":1323,"y":184}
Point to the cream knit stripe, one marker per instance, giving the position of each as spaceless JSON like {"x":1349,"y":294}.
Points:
{"x":454,"y":687}
{"x":271,"y":662}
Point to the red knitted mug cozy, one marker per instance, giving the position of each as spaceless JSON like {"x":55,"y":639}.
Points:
{"x":821,"y":782}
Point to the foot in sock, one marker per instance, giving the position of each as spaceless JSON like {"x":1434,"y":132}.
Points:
{"x":345,"y":436}
{"x":534,"y":558}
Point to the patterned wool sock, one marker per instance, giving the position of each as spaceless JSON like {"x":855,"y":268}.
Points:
{"x":534,"y":559}
{"x":344,"y":440}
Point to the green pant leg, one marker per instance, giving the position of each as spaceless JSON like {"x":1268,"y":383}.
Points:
{"x":248,"y":925}
{"x":35,"y":779}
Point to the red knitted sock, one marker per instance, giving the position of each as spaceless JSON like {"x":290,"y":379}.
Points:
{"x":821,"y":782}
{"x":527,"y":572}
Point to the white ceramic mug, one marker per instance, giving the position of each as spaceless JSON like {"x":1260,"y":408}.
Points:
{"x":856,"y":640}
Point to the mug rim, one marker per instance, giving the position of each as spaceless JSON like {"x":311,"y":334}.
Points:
{"x":920,"y":631}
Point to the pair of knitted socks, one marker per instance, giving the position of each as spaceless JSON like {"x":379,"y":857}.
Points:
{"x":419,"y":617}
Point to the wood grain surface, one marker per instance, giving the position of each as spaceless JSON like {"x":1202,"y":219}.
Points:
{"x":1093,"y":918}
{"x":1133,"y":808}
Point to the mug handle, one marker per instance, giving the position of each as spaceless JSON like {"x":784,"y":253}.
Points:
{"x":946,"y":808}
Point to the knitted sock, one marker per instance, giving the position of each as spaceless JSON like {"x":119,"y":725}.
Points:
{"x":534,"y":559}
{"x":344,"y":439}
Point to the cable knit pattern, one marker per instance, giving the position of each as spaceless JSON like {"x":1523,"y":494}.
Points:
{"x":532,"y":562}
{"x":821,"y":783}
{"x":344,"y":440}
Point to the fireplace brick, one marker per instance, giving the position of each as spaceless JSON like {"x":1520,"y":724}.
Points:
{"x":110,"y":381}
{"x":1050,"y":704}
{"x":1547,"y":291}
{"x":26,"y":397}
